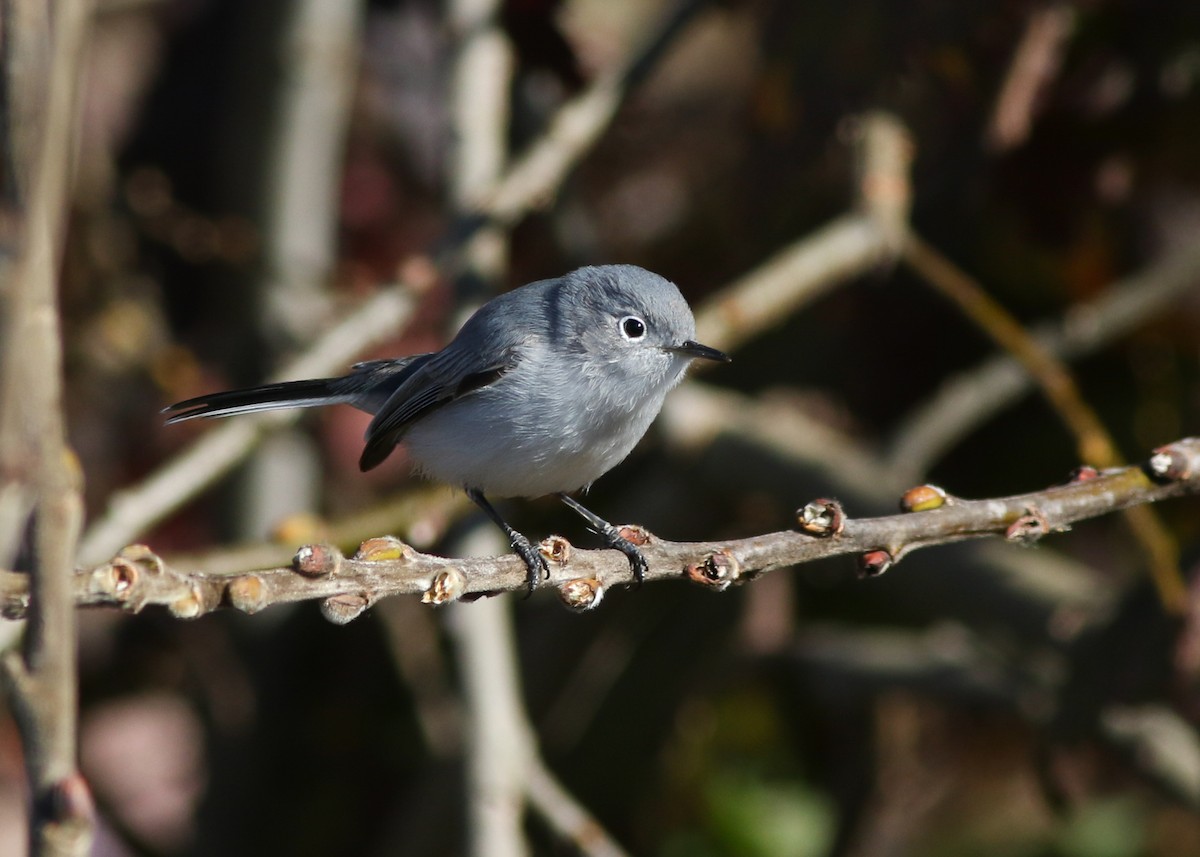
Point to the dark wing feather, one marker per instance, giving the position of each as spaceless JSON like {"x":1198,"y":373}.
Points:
{"x":448,"y":375}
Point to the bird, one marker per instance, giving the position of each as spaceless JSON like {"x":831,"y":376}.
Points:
{"x":544,"y":389}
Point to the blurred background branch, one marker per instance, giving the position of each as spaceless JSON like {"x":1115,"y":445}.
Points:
{"x":41,"y":505}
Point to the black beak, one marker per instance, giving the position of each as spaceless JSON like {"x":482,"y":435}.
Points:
{"x":698,"y":351}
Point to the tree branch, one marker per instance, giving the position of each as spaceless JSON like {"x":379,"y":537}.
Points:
{"x":382,"y":567}
{"x":133,"y":511}
{"x":1096,"y":447}
{"x":534,"y":178}
{"x":40,"y":495}
{"x":969,"y":399}
{"x":844,"y":248}
{"x":1035,"y":64}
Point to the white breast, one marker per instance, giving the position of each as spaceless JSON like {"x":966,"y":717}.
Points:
{"x":541,"y":429}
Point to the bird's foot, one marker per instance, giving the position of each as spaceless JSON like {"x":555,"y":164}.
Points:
{"x":637,"y":562}
{"x":536,"y":567}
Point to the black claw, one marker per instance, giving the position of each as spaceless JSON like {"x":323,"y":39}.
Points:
{"x":637,"y":562}
{"x":612,"y":538}
{"x":536,"y":566}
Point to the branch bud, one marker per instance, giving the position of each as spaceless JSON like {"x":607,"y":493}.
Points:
{"x":189,"y":605}
{"x":1170,"y":463}
{"x":923,"y":498}
{"x":447,"y":585}
{"x":874,"y":563}
{"x":822,"y":518}
{"x":635,"y":534}
{"x":317,"y":560}
{"x":344,"y":609}
{"x":556,"y":549}
{"x":582,"y":593}
{"x":1084,"y":473}
{"x":117,"y":579}
{"x":717,"y":571}
{"x":247,"y":593}
{"x":1028,"y":528}
{"x":384,"y":548}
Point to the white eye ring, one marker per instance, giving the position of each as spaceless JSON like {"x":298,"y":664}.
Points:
{"x":632,"y":327}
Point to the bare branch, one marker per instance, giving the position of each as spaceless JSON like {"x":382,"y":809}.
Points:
{"x":319,"y":70}
{"x":498,"y":737}
{"x":1095,"y":444}
{"x":970,"y":399}
{"x":534,"y":178}
{"x":1037,"y":60}
{"x":567,"y":815}
{"x":385,"y":566}
{"x":499,"y":741}
{"x":846,"y":247}
{"x":1052,"y":377}
{"x":134,"y":510}
{"x":41,"y":494}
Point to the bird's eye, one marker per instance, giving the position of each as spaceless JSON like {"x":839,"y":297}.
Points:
{"x":633,"y":327}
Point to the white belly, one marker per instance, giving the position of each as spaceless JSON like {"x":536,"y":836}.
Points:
{"x":517,"y":439}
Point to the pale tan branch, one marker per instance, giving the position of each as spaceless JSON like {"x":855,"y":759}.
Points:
{"x":1034,"y":66}
{"x":568,"y":817}
{"x":968,"y":400}
{"x":347,"y":586}
{"x":846,"y":247}
{"x":534,"y":178}
{"x":1096,"y":446}
{"x":41,"y":487}
{"x":134,"y":510}
{"x":319,"y":68}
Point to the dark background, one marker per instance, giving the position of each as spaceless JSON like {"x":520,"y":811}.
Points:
{"x":960,"y":705}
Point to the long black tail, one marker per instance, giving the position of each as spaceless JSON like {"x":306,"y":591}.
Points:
{"x":269,"y":397}
{"x":367,"y":387}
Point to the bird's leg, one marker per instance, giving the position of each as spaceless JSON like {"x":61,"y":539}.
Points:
{"x":612,"y":538}
{"x":535,"y":564}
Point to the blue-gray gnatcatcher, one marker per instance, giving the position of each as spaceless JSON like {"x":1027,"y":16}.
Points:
{"x":544,"y":390}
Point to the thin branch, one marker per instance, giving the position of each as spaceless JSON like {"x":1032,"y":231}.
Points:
{"x":317,"y":45}
{"x":319,"y":68}
{"x":1034,"y":65}
{"x":1052,"y":377}
{"x":695,"y":415}
{"x":481,"y":106}
{"x":971,"y":398}
{"x":499,"y":741}
{"x":566,"y":815}
{"x":134,"y":510}
{"x":384,"y":566}
{"x":846,"y":247}
{"x":534,"y":178}
{"x":25,"y":53}
{"x":1096,"y":446}
{"x":42,"y":488}
{"x":504,"y":766}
